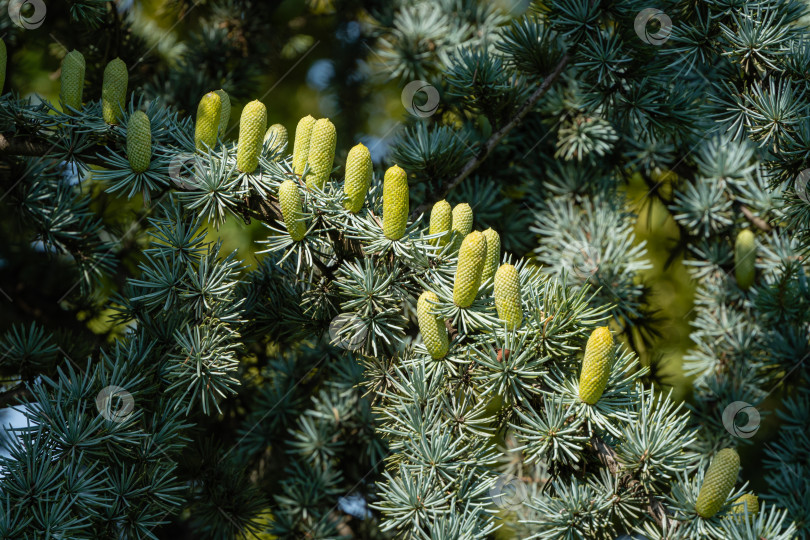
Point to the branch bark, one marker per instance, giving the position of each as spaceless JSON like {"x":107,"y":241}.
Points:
{"x":758,"y":222}
{"x":496,"y":137}
{"x":18,"y":146}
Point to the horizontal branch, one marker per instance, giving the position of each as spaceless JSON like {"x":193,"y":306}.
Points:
{"x":496,"y":137}
{"x":22,"y":146}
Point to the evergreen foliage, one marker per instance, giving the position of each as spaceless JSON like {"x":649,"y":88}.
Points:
{"x":455,"y":344}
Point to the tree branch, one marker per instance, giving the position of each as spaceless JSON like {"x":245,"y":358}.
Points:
{"x":18,"y":146}
{"x":496,"y":137}
{"x":608,"y":457}
{"x":758,"y":222}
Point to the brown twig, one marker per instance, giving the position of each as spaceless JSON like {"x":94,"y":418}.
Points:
{"x":19,"y":146}
{"x":757,"y":221}
{"x":475,"y":161}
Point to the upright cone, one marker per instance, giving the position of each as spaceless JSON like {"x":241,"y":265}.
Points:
{"x":321,"y":153}
{"x":277,"y":135}
{"x":139,"y":141}
{"x":493,"y":254}
{"x":303,"y":134}
{"x":72,"y":81}
{"x":441,"y":221}
{"x":396,"y":203}
{"x":746,"y":503}
{"x":209,"y":112}
{"x":462,"y":223}
{"x":290,"y":201}
{"x":358,"y":178}
{"x":718,"y":482}
{"x":596,"y":365}
{"x":745,"y":258}
{"x":434,"y":332}
{"x":252,"y":126}
{"x":114,"y":91}
{"x":224,"y":111}
{"x":507,"y":295}
{"x":471,"y":257}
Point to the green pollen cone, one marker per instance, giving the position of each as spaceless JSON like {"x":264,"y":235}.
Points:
{"x":209,"y":113}
{"x":507,"y":295}
{"x":596,"y":365}
{"x":396,"y":203}
{"x":321,"y":158}
{"x":303,"y":133}
{"x":290,"y":200}
{"x":471,"y":257}
{"x":114,"y":91}
{"x":139,"y":141}
{"x":441,"y":221}
{"x":358,"y":178}
{"x":718,"y":482}
{"x":72,"y":81}
{"x":434,"y":332}
{"x":252,"y":126}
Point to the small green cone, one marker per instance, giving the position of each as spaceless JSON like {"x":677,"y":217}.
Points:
{"x":718,"y":482}
{"x":434,"y":332}
{"x":290,"y":201}
{"x":507,"y":295}
{"x":224,"y":111}
{"x":471,"y":257}
{"x":358,"y":178}
{"x":252,"y":126}
{"x":72,"y":83}
{"x":114,"y":91}
{"x":321,"y":153}
{"x":596,"y":365}
{"x":746,"y":503}
{"x":493,"y":254}
{"x":462,"y":223}
{"x":277,"y":135}
{"x":139,"y":141}
{"x":745,"y":258}
{"x":441,"y":221}
{"x":3,"y":62}
{"x":303,"y":133}
{"x":396,"y":203}
{"x":209,"y":113}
